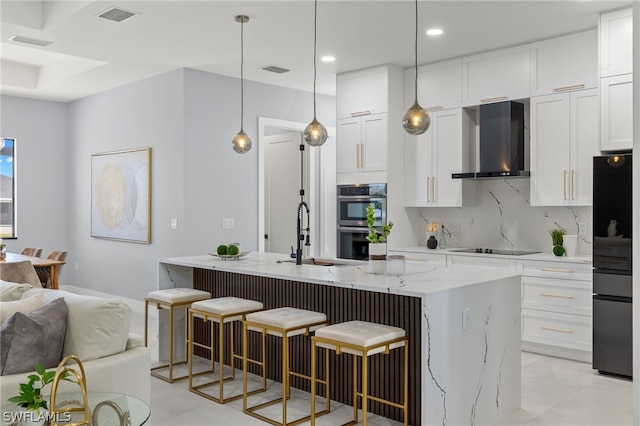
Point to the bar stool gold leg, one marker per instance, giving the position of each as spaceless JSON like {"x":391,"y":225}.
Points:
{"x":170,"y":345}
{"x":355,"y":387}
{"x":244,"y":367}
{"x":190,"y":353}
{"x":365,"y":388}
{"x":406,"y":383}
{"x":146,"y":323}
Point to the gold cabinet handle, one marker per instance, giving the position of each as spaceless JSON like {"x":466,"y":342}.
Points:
{"x":428,"y":189}
{"x":568,"y":271}
{"x":360,"y":113}
{"x":566,"y":88}
{"x":357,"y":155}
{"x":561,"y":330}
{"x":362,"y":155}
{"x":562,"y":296}
{"x":564,"y":185}
{"x":497,"y":98}
{"x":433,"y":188}
{"x":434,"y":108}
{"x":573,"y":178}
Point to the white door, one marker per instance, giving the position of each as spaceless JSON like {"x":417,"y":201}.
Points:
{"x":282,"y":189}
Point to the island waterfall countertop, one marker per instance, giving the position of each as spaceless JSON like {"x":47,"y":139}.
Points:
{"x":418,"y":280}
{"x":463,"y":325}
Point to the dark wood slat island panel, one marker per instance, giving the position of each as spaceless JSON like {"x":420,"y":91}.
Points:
{"x":339,"y":304}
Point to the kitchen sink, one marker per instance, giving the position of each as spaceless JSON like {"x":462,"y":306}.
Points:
{"x":316,"y":261}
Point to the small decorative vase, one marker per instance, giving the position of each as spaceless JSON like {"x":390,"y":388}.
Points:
{"x":432,"y":242}
{"x":377,"y":258}
{"x":570,"y":244}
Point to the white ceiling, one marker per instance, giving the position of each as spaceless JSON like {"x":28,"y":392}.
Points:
{"x":90,"y":54}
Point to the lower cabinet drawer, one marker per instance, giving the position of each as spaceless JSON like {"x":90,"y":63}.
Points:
{"x":563,"y":296}
{"x":556,"y":329}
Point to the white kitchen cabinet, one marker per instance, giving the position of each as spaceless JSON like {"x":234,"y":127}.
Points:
{"x":362,"y":144}
{"x":507,"y":264}
{"x":432,"y":157}
{"x":439,"y":85}
{"x":616,"y":108}
{"x":364,"y":101}
{"x":433,"y":258}
{"x":616,"y":43}
{"x":557,"y":309}
{"x":564,"y":138}
{"x":565,"y":63}
{"x":362,"y":92}
{"x":496,"y":76}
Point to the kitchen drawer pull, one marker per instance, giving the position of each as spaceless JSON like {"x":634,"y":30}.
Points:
{"x":573,"y":178}
{"x":358,"y":156}
{"x":434,"y":108}
{"x":433,"y":188}
{"x":360,"y":113}
{"x":563,"y":296}
{"x":561,"y":330}
{"x":567,"y":271}
{"x":497,"y":98}
{"x":428,"y":189}
{"x":362,"y":155}
{"x":564,"y":185}
{"x":565,"y":88}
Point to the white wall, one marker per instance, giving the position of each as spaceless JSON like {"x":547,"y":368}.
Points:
{"x":42,"y":161}
{"x":188,"y":118}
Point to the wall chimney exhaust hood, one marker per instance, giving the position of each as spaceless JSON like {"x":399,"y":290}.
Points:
{"x":501,"y":147}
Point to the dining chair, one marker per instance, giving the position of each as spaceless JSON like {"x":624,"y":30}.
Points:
{"x":19,"y":272}
{"x":32,"y":251}
{"x":44,"y":273}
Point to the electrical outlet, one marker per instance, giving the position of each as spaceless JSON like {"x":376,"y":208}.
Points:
{"x":466,"y":319}
{"x":228,"y":223}
{"x":582,"y":229}
{"x":174,"y":223}
{"x":456,"y":225}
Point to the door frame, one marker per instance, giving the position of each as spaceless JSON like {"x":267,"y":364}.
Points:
{"x":314,"y":192}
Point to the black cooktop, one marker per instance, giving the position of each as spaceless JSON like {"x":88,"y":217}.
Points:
{"x":496,"y":251}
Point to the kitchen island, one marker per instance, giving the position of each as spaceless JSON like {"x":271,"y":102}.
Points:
{"x":463,"y":326}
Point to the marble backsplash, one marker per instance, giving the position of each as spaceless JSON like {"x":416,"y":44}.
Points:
{"x":502,"y":218}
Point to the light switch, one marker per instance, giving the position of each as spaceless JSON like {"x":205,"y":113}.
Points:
{"x":228,"y":223}
{"x":174,"y":223}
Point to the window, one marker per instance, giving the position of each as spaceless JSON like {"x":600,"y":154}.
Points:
{"x":7,"y":188}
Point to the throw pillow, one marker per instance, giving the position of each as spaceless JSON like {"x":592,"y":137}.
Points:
{"x":36,"y":337}
{"x":96,"y":328}
{"x":12,"y":291}
{"x":24,"y":305}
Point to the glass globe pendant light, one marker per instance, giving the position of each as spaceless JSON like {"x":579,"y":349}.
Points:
{"x":241,"y":142}
{"x":416,"y":120}
{"x":315,"y":134}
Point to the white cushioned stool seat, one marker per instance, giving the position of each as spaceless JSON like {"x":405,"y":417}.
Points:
{"x":360,"y":333}
{"x":225,"y":306}
{"x":286,"y":318}
{"x":178,"y":295}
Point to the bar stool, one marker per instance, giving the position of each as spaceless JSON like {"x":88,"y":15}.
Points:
{"x":223,"y":310}
{"x":283,"y":322}
{"x":361,"y":339}
{"x":171,"y":299}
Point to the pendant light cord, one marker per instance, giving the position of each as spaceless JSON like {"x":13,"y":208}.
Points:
{"x":242,"y":75}
{"x":315,"y":38}
{"x":416,"y":54}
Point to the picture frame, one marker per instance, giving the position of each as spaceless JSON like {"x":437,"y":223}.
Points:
{"x":121,"y":195}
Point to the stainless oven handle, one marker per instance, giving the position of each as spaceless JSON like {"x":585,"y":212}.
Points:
{"x":362,"y":197}
{"x":364,"y":230}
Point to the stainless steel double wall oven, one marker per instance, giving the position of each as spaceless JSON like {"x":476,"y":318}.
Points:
{"x":352,"y":217}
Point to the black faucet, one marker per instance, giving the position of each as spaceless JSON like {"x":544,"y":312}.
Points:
{"x":300,"y":232}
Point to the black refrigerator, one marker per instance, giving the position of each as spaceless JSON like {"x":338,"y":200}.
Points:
{"x":612,"y":273}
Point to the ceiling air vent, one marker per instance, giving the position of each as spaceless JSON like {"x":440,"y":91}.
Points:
{"x":28,"y":40}
{"x":277,"y":70}
{"x":116,"y":14}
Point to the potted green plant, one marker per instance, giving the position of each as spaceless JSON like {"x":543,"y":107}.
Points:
{"x":377,"y":242}
{"x":557,"y":235}
{"x":31,"y":397}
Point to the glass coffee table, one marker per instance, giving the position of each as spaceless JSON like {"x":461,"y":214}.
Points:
{"x":107,"y":409}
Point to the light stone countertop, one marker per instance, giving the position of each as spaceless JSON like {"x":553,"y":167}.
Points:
{"x":544,"y":257}
{"x":418,"y":280}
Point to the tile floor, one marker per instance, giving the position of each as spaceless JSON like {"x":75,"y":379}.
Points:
{"x":555,"y":392}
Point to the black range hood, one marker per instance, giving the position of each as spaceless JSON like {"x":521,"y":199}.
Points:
{"x":501,"y":142}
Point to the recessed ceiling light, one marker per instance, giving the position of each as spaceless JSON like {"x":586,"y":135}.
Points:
{"x":328,"y":58}
{"x":434,"y":32}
